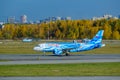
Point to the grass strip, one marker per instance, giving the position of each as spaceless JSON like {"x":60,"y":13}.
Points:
{"x":17,"y":47}
{"x":81,"y":69}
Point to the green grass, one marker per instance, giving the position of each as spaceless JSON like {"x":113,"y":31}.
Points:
{"x":19,"y":47}
{"x":81,"y":69}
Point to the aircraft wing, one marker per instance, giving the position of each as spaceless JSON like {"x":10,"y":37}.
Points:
{"x":65,"y":48}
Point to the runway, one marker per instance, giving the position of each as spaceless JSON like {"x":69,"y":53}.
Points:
{"x":63,"y":78}
{"x":51,"y":59}
{"x":11,"y":59}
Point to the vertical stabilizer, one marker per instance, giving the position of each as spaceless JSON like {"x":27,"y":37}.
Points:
{"x":98,"y":36}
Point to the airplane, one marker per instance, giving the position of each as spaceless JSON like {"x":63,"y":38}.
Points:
{"x":59,"y":48}
{"x":27,"y":40}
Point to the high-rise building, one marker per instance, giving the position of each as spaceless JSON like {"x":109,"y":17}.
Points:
{"x":11,"y":20}
{"x":23,"y":19}
{"x":107,"y":16}
{"x":58,"y":18}
{"x":68,"y":18}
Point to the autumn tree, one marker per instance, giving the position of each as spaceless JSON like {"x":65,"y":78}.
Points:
{"x":63,"y":29}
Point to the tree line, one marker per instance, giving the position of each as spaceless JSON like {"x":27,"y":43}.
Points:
{"x":63,"y":29}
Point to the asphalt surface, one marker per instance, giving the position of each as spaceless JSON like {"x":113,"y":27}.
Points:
{"x":8,"y":59}
{"x":62,"y":78}
{"x":52,"y":59}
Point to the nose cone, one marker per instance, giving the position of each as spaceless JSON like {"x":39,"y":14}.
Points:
{"x":36,"y":48}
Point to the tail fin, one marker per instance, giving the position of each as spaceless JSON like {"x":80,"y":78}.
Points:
{"x":98,"y":36}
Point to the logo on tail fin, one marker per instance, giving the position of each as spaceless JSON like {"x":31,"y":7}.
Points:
{"x":98,"y":36}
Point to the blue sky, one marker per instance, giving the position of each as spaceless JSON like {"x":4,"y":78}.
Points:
{"x":40,"y":9}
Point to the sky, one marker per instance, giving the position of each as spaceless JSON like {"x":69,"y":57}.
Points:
{"x":41,"y":9}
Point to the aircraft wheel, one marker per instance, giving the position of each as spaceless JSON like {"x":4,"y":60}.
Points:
{"x":67,"y":54}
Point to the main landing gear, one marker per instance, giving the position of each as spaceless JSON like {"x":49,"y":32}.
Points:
{"x":67,"y":54}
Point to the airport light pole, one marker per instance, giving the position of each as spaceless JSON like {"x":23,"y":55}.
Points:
{"x":48,"y":33}
{"x":48,"y":30}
